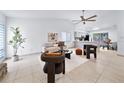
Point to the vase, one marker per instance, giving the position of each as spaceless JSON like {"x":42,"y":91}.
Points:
{"x":15,"y":58}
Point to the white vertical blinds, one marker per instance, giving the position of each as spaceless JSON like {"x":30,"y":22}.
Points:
{"x":2,"y":41}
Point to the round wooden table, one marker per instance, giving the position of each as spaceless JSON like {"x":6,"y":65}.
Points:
{"x":53,"y":65}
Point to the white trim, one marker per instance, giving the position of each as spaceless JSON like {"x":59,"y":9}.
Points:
{"x":120,"y":54}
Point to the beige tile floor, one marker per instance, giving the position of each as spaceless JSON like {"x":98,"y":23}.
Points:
{"x":107,"y":68}
{"x":30,"y":69}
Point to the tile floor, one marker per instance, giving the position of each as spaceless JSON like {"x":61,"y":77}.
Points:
{"x":29,"y":69}
{"x":107,"y":68}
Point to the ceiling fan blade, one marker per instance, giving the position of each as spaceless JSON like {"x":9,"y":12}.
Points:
{"x":76,"y":21}
{"x":90,"y":20}
{"x":91,"y":17}
{"x":82,"y":18}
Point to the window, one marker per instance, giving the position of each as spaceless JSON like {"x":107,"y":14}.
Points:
{"x":63,"y":36}
{"x":2,"y":41}
{"x":66,"y":36}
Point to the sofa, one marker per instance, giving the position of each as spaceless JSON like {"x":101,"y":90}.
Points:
{"x":54,"y":46}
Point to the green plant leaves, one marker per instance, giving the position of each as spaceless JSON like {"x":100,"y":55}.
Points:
{"x":10,"y":41}
{"x":17,"y":39}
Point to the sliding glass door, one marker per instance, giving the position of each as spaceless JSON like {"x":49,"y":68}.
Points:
{"x":2,"y":42}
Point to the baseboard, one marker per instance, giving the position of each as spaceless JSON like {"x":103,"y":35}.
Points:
{"x":26,"y":55}
{"x":120,"y":55}
{"x":30,"y":54}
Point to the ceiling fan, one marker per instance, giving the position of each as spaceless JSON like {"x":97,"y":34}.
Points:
{"x":84,"y":19}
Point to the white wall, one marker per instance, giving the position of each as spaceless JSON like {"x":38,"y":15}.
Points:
{"x":120,"y":32}
{"x":2,"y":19}
{"x":36,"y":32}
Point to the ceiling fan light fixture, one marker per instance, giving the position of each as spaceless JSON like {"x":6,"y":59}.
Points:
{"x":84,"y":19}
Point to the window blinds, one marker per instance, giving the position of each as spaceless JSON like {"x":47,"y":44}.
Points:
{"x":2,"y":41}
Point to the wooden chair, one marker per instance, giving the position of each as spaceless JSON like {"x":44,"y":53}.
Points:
{"x":88,"y":49}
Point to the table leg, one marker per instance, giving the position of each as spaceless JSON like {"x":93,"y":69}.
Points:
{"x":64,"y":67}
{"x":95,"y":52}
{"x":88,"y":52}
{"x":51,"y":73}
{"x":68,"y":56}
{"x":94,"y":55}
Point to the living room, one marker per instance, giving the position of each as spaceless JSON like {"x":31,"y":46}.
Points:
{"x":37,"y":28}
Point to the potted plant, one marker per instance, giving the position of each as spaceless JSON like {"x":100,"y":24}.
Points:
{"x":16,"y":42}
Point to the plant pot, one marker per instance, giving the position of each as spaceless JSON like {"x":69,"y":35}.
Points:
{"x":15,"y":58}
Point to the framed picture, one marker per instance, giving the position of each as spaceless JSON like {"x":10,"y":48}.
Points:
{"x":52,"y":37}
{"x":100,"y":37}
{"x":97,"y":37}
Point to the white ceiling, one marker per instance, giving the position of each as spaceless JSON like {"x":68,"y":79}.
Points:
{"x":66,"y":14}
{"x":105,"y":18}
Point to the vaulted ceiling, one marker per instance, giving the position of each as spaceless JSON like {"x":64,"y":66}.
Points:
{"x":105,"y":19}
